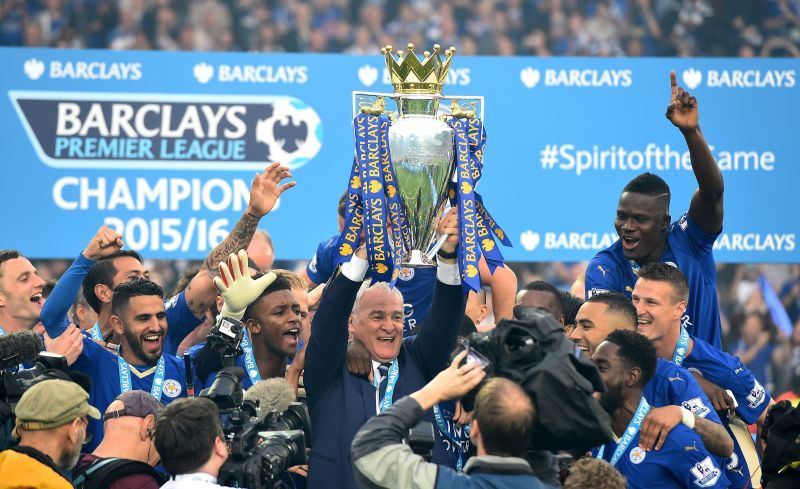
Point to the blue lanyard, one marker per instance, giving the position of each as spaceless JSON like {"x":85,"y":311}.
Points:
{"x":681,"y":348}
{"x":125,"y":377}
{"x":440,"y":423}
{"x":249,"y":359}
{"x":633,"y":428}
{"x":394,"y":373}
{"x":97,"y":333}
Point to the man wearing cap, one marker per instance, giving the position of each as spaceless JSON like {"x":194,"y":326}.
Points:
{"x":128,"y":441}
{"x":51,"y":425}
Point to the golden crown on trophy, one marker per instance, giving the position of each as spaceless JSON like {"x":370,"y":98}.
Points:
{"x":411,"y":76}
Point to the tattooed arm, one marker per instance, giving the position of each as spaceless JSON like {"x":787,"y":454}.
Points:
{"x":264,"y":193}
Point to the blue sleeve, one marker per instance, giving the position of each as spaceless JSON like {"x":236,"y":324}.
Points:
{"x":699,"y":241}
{"x":320,"y":268}
{"x":327,"y":347}
{"x":54,"y":313}
{"x":752,"y":398}
{"x":180,"y":322}
{"x":688,"y":461}
{"x":87,"y":361}
{"x":437,"y":337}
{"x":602,"y":277}
{"x":695,"y":400}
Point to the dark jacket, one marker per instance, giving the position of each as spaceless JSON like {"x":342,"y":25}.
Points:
{"x":339,"y":402}
{"x":382,"y":460}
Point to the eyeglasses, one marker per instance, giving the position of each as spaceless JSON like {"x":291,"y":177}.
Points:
{"x":87,"y":434}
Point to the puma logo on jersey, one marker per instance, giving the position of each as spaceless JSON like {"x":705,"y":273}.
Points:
{"x":603,"y":270}
{"x":675,"y":378}
{"x":692,"y":447}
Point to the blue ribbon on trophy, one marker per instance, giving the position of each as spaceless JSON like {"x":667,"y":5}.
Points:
{"x":404,"y":170}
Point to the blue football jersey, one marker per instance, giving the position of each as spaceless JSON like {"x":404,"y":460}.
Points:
{"x":683,"y":462}
{"x":672,"y":385}
{"x":416,"y":284}
{"x":727,"y":372}
{"x":101,"y":365}
{"x":181,"y":322}
{"x":690,"y":249}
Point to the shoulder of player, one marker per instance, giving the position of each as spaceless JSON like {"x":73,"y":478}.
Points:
{"x":681,"y":440}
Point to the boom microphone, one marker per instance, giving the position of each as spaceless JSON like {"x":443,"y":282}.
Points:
{"x":18,"y":348}
{"x":273,"y":395}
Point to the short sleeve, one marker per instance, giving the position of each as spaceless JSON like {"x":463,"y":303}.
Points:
{"x":601,"y":278}
{"x":690,"y":463}
{"x":700,"y":242}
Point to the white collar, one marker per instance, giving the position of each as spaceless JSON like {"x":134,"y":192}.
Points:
{"x":197,"y":477}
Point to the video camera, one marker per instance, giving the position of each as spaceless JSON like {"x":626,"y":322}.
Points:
{"x":262,"y":444}
{"x":532,"y":351}
{"x":14,"y":384}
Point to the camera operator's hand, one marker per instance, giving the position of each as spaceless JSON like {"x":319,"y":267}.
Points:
{"x":237,"y":287}
{"x":301,"y":470}
{"x":451,"y":383}
{"x":105,"y":242}
{"x":69,"y":344}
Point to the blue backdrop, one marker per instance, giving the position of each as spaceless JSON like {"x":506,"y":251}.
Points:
{"x":163,"y":146}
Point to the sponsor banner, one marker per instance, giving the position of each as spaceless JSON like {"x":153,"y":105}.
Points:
{"x":163,"y":146}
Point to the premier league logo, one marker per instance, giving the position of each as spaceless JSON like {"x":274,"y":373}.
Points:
{"x":292,"y":135}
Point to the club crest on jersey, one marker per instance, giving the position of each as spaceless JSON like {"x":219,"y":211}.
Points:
{"x":705,"y":473}
{"x":697,"y":407}
{"x":406,"y":274}
{"x":172,"y":388}
{"x":637,"y":455}
{"x":756,"y":396}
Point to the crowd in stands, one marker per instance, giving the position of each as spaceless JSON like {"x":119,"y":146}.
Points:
{"x":734,"y":28}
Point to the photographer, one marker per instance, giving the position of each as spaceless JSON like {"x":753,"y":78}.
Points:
{"x":501,"y":430}
{"x":190,"y":441}
{"x":52,"y":427}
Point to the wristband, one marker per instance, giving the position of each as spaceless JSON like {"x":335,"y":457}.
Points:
{"x":688,"y":418}
{"x":447,"y":255}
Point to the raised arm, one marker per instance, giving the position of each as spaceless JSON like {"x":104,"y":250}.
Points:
{"x":54,"y":313}
{"x":264,"y":194}
{"x":504,"y":289}
{"x":437,"y":337}
{"x":706,"y":209}
{"x":327,"y":346}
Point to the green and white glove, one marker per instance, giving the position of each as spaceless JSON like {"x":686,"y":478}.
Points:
{"x":237,"y":287}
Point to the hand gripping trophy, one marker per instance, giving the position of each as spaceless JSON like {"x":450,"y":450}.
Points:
{"x":410,"y":166}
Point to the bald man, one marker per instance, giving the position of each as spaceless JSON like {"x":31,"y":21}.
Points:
{"x":129,"y":427}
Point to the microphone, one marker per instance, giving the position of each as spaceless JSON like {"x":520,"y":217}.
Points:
{"x":273,"y":395}
{"x":18,"y":348}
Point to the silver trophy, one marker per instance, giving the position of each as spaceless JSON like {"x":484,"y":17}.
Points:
{"x":421,"y":142}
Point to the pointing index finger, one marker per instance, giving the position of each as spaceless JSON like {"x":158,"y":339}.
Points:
{"x":673,"y":81}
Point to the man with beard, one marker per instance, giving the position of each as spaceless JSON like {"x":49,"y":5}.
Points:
{"x":20,"y":293}
{"x":139,"y":320}
{"x":675,"y":396}
{"x":660,"y":297}
{"x":626,"y":361}
{"x":51,"y":424}
{"x":646,"y":235}
{"x":272,"y":322}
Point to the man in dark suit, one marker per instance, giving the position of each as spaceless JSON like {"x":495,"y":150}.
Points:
{"x":340,"y":402}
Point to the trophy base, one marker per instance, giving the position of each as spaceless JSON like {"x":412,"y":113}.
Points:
{"x":417,"y":259}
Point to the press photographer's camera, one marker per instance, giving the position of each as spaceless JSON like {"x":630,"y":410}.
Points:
{"x":14,"y":384}
{"x":262,"y":445}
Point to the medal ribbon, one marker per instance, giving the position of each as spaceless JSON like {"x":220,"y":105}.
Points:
{"x":442,"y":425}
{"x":97,"y":333}
{"x":392,"y":376}
{"x":125,"y":377}
{"x":681,"y":348}
{"x":630,"y":432}
{"x":249,"y":359}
